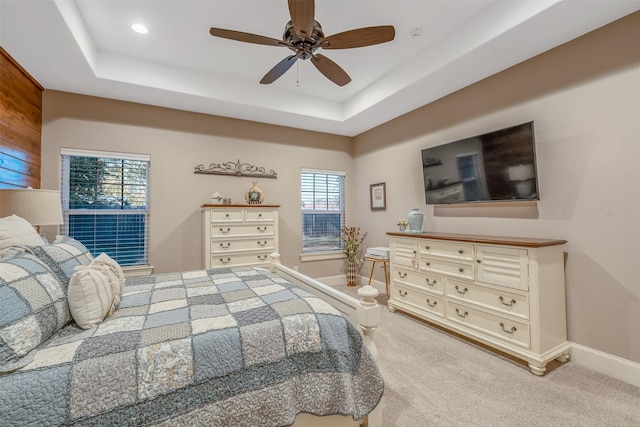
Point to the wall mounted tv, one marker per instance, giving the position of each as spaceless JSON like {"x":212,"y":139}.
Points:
{"x":495,"y":166}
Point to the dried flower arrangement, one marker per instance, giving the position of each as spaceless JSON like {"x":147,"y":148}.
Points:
{"x":352,"y":243}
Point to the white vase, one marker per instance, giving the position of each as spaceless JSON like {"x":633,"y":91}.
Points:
{"x":415,"y":220}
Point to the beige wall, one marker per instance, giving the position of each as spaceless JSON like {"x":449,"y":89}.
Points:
{"x":178,"y":141}
{"x":584,"y":98}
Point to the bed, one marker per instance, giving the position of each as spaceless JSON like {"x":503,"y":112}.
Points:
{"x":224,"y":347}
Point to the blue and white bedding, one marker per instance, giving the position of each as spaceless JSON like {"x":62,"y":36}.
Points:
{"x":221,"y":347}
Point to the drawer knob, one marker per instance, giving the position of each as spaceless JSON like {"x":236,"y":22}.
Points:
{"x":430,"y":283}
{"x":427,"y":264}
{"x":225,"y":231}
{"x":223,"y":246}
{"x":262,"y":257}
{"x":262,"y":243}
{"x":430,"y":304}
{"x":478,"y":261}
{"x":513,"y":329}
{"x":262,"y":229}
{"x":259,"y":215}
{"x":508,"y":304}
{"x":462,"y":292}
{"x":225,"y":261}
{"x":427,"y":247}
{"x":402,"y":275}
{"x":460,"y":251}
{"x":227,"y":215}
{"x":463,"y":315}
{"x":402,"y":293}
{"x":461,"y":270}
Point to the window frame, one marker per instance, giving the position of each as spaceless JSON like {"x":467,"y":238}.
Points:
{"x":310,"y":255}
{"x":65,"y":155}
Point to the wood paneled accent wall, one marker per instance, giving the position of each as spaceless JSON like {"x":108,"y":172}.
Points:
{"x":20,"y":125}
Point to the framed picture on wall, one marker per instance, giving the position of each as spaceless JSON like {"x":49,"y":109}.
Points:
{"x":378,"y":196}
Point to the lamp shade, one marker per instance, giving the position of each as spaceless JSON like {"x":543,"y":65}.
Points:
{"x":39,"y":207}
{"x":520,"y":172}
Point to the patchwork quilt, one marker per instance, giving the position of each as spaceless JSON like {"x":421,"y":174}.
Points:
{"x":222,"y":347}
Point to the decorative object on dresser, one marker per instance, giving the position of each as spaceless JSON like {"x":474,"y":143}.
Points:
{"x":239,"y":234}
{"x":217,"y":197}
{"x":505,"y":292}
{"x":378,"y":196}
{"x":415,"y":219}
{"x":352,"y":246}
{"x":254,"y":196}
{"x":236,"y":169}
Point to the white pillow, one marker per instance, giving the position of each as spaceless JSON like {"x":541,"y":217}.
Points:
{"x":117,"y":288}
{"x":89,"y":295}
{"x":16,"y":231}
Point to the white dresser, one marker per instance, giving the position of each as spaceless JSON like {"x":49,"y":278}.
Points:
{"x":239,"y":235}
{"x":507,"y":293}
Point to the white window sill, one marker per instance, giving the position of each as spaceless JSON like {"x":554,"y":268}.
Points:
{"x":138,"y":270}
{"x":321,"y":256}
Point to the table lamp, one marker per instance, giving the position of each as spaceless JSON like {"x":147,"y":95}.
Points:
{"x":39,"y":207}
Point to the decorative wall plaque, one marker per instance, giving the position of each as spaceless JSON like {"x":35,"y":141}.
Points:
{"x":236,"y":169}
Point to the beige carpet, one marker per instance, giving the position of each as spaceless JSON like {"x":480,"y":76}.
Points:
{"x":435,"y":379}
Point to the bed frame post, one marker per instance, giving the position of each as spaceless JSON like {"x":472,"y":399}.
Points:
{"x":368,"y":314}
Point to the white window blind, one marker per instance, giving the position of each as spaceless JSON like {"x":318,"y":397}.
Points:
{"x":322,"y":195}
{"x":106,"y":203}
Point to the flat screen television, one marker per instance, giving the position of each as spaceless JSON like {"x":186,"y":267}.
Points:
{"x":495,"y":166}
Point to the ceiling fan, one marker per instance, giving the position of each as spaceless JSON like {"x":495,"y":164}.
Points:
{"x":303,"y":35}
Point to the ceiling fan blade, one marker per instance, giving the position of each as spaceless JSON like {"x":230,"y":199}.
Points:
{"x":359,"y":38}
{"x":245,"y":37}
{"x":279,"y":70}
{"x":302,"y":12}
{"x":330,"y":69}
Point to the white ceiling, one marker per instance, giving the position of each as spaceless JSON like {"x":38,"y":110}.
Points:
{"x":88,"y":47}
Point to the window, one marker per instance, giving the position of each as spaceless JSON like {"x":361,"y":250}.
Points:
{"x":323,"y":210}
{"x":106,"y":203}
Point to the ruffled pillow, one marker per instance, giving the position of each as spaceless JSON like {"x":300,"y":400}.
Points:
{"x":91,"y":294}
{"x":107,"y":261}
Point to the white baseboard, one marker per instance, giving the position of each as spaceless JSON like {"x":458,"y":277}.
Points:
{"x":614,"y":366}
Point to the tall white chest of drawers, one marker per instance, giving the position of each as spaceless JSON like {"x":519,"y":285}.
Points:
{"x":506,"y":293}
{"x":239,"y":235}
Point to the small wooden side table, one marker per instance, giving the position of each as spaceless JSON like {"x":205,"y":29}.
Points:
{"x":384,"y":262}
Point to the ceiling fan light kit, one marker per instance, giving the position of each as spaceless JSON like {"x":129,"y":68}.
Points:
{"x":303,"y":35}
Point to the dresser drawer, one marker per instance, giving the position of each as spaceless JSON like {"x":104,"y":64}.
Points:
{"x":221,"y":230}
{"x":230,"y":215}
{"x":454,"y":269}
{"x":403,"y":252}
{"x":425,"y":302}
{"x":456,"y":251}
{"x":503,"y":328}
{"x":256,"y":215}
{"x":224,"y":245}
{"x":231,"y":260}
{"x":491,"y":298}
{"x":431,"y":282}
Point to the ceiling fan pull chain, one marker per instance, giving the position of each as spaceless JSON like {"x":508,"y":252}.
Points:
{"x":297,"y":74}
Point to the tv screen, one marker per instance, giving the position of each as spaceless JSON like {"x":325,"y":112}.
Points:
{"x":495,"y":166}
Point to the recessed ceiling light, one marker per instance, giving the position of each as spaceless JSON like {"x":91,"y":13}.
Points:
{"x":139,"y":28}
{"x":415,"y":32}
